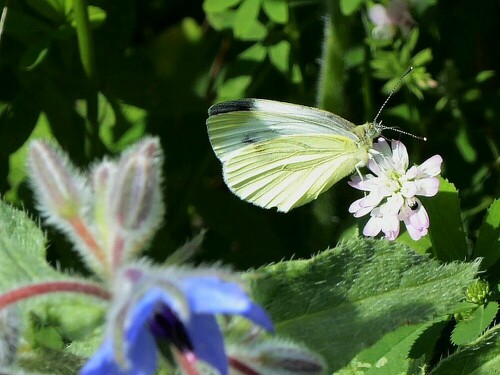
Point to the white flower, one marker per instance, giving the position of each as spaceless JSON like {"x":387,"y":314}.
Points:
{"x":393,"y":189}
{"x":388,"y":19}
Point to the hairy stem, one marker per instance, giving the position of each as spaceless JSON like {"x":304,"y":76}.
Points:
{"x":33,"y":290}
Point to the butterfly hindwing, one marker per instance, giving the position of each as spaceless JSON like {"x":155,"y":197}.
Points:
{"x":289,"y":171}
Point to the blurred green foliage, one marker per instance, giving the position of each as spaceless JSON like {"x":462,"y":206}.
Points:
{"x":156,"y":66}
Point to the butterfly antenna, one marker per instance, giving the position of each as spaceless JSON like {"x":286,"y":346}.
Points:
{"x":403,"y":132}
{"x":392,"y":92}
{"x":380,"y":126}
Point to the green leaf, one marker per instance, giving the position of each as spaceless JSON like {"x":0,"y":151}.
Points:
{"x":347,"y":299}
{"x":215,"y":6}
{"x":59,"y":316}
{"x":390,"y":354}
{"x":35,"y":54}
{"x":464,"y":144}
{"x":446,"y":229}
{"x":488,"y":240}
{"x":222,"y":20}
{"x":469,"y":329}
{"x":22,"y":250}
{"x":97,"y":16}
{"x":422,"y":57}
{"x":348,"y":7}
{"x":480,"y":359}
{"x":276,"y":10}
{"x":484,"y":76}
{"x":233,"y":88}
{"x":55,"y":10}
{"x":246,"y":24}
{"x":256,"y":52}
{"x":120,"y":124}
{"x":422,"y":246}
{"x":17,"y":160}
{"x":279,"y":54}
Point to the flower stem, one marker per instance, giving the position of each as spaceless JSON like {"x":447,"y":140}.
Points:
{"x":87,"y":58}
{"x":33,"y":290}
{"x":333,"y":72}
{"x":83,"y":232}
{"x":187,"y":361}
{"x":241,"y":367}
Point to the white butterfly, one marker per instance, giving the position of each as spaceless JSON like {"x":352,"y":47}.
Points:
{"x":283,"y":155}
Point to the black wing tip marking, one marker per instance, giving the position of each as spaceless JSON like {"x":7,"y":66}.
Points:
{"x":232,"y":106}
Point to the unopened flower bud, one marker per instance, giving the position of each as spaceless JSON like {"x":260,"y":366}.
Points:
{"x":478,"y":292}
{"x":59,"y":188}
{"x":136,"y":202}
{"x":274,"y":357}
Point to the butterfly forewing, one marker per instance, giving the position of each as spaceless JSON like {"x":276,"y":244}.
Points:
{"x":235,"y":124}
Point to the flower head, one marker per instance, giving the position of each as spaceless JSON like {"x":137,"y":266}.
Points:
{"x":175,"y":306}
{"x":393,"y":189}
{"x":387,"y":19}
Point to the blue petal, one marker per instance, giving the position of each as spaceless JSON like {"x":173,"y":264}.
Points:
{"x":208,"y":341}
{"x":142,"y":358}
{"x":144,"y":310}
{"x":211,"y":295}
{"x":259,"y":316}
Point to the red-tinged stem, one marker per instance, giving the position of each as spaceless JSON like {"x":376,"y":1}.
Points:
{"x":241,"y":367}
{"x":119,"y":243}
{"x":187,"y":361}
{"x":33,"y":290}
{"x":83,"y":232}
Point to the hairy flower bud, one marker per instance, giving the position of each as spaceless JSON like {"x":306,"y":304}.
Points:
{"x":135,"y":202}
{"x":59,"y":188}
{"x":274,"y":357}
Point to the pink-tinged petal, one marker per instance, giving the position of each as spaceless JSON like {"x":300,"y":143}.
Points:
{"x":416,"y":221}
{"x":369,"y":182}
{"x":390,"y":227}
{"x":373,"y":227}
{"x":378,"y":15}
{"x":399,"y":14}
{"x":420,"y":219}
{"x":414,"y":233}
{"x":364,"y":205}
{"x":431,"y":167}
{"x":357,"y":210}
{"x":399,"y":156}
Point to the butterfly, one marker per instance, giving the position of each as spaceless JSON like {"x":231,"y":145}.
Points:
{"x":284,"y":155}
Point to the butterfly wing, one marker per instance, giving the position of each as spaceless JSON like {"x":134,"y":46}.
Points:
{"x":282,"y":155}
{"x":235,"y":124}
{"x":290,"y":171}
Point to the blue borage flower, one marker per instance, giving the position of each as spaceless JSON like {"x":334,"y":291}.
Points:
{"x":172,"y":304}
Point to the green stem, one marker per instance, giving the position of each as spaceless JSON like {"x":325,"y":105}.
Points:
{"x":86,"y":49}
{"x":332,"y":76}
{"x":366,"y":85}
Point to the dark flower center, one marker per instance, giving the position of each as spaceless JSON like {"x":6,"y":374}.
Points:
{"x":166,"y":326}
